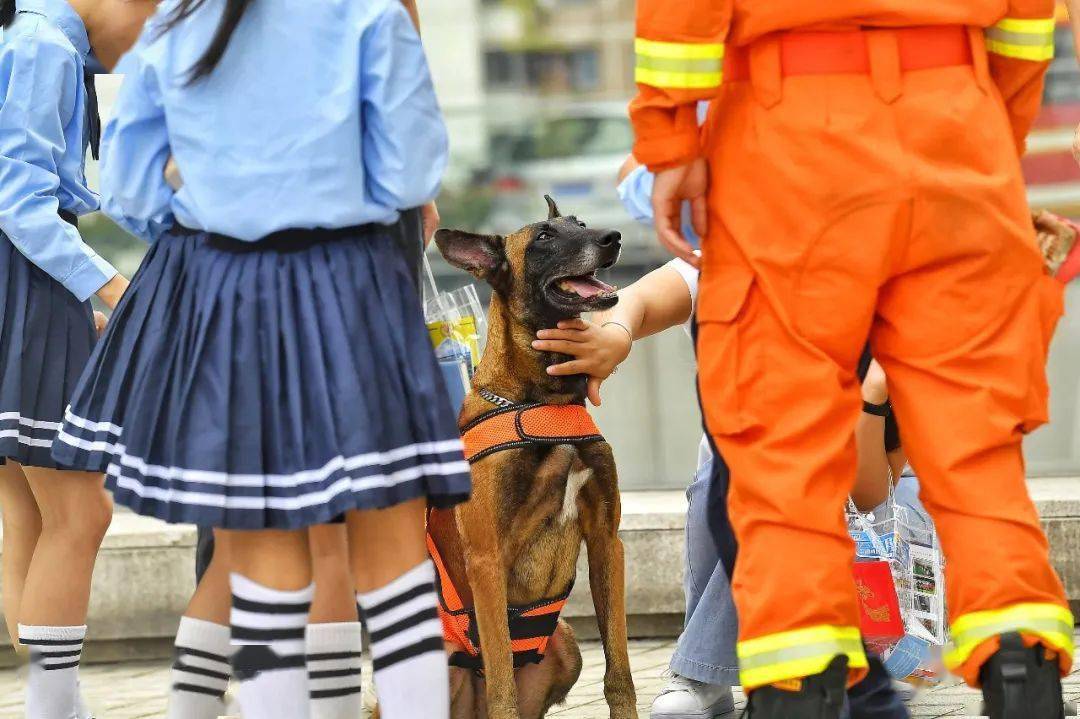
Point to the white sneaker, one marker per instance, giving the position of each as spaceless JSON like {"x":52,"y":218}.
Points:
{"x":683,"y":698}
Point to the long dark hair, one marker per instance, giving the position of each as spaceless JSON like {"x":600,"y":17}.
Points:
{"x":230,"y":19}
{"x":7,"y":12}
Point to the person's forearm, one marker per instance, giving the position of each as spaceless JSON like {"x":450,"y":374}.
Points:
{"x":872,"y":473}
{"x":629,"y":312}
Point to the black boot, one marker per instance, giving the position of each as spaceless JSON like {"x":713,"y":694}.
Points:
{"x":821,"y":696}
{"x":1021,"y":682}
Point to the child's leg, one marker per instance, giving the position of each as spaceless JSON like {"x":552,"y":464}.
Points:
{"x":22,"y":527}
{"x":334,"y":640}
{"x":395,"y":581}
{"x":203,"y":653}
{"x":271,"y":600}
{"x":75,"y":514}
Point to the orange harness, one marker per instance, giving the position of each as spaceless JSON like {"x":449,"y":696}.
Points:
{"x":507,"y":427}
{"x":519,"y":425}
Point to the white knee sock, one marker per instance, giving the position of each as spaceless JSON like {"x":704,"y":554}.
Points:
{"x":52,"y":689}
{"x":268,"y":634}
{"x":333,"y":664}
{"x":411,"y":675}
{"x":201,"y":670}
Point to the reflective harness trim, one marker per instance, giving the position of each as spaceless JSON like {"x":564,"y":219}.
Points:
{"x":521,"y":425}
{"x":677,"y":65}
{"x":1051,"y":623}
{"x":1022,"y":39}
{"x":531,"y":627}
{"x":798,"y":653}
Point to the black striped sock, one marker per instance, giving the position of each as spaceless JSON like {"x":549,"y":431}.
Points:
{"x":334,"y":670}
{"x":408,"y":656}
{"x":268,"y":634}
{"x":201,"y":670}
{"x":52,"y":688}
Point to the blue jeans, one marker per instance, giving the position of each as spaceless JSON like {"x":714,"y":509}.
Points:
{"x":706,"y":648}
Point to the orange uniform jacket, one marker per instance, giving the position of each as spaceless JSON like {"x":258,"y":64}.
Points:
{"x":1019,"y":38}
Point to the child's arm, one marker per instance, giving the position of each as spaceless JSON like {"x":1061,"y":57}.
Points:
{"x":874,"y":472}
{"x":659,"y":300}
{"x":37,"y":80}
{"x":134,"y":155}
{"x":405,"y":145}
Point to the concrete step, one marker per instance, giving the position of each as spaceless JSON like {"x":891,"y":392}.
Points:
{"x":145,"y":573}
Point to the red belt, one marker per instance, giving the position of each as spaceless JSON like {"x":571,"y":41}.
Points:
{"x":846,"y":52}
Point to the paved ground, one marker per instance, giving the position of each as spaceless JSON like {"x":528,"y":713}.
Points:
{"x":137,"y":690}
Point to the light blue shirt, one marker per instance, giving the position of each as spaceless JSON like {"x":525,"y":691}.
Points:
{"x":635,"y":193}
{"x":43,"y":138}
{"x":321,"y":114}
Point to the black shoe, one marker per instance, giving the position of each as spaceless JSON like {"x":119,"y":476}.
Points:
{"x":1021,"y":682}
{"x":820,"y":696}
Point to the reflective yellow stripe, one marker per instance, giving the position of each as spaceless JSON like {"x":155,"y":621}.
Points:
{"x":679,"y":65}
{"x":682,"y":50}
{"x":1050,"y":622}
{"x":798,"y":653}
{"x":1022,"y":39}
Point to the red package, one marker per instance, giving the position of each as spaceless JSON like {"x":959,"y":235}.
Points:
{"x":879,"y":607}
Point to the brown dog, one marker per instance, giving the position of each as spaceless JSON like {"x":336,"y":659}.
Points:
{"x":510,"y":554}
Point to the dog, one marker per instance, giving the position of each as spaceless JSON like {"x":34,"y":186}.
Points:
{"x":507,"y":558}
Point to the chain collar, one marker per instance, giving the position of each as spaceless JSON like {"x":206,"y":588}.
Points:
{"x":494,"y":398}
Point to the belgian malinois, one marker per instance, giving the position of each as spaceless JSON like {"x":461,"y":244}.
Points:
{"x":512,"y":550}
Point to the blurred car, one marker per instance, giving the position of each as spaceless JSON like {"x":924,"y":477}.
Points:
{"x":574,"y":156}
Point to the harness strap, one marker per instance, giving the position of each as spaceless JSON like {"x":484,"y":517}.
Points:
{"x":521,"y":425}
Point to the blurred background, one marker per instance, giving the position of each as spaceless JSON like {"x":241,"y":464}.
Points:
{"x":535,"y":95}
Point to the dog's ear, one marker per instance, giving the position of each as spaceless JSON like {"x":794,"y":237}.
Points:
{"x":553,"y":209}
{"x":482,"y":255}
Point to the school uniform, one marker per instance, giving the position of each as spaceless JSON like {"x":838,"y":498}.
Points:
{"x":48,"y":115}
{"x":269,"y":366}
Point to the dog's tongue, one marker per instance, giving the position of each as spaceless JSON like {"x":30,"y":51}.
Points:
{"x":586,"y":286}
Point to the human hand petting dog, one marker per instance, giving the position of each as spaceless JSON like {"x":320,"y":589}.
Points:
{"x":597,"y":350}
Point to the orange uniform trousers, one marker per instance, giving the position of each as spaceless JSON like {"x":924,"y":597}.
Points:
{"x":887,"y":205}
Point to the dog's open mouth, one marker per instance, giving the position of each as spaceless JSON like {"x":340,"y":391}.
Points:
{"x":583,"y":288}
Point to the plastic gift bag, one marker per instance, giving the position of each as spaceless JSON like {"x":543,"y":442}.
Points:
{"x":458,"y":330}
{"x":911,"y":644}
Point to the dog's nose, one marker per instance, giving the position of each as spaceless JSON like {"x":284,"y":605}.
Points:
{"x":609,"y":238}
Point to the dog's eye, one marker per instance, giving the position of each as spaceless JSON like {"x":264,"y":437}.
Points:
{"x":542,"y":237}
{"x":581,"y":224}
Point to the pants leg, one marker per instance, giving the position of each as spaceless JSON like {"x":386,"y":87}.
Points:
{"x":963,"y":333}
{"x":706,"y":648}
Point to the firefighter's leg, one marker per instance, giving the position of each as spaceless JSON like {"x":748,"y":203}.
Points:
{"x":962,"y":333}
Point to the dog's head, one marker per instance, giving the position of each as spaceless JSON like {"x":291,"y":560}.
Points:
{"x":546,"y":271}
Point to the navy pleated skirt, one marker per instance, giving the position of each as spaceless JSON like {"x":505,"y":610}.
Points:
{"x":46,"y":337}
{"x":276,"y":384}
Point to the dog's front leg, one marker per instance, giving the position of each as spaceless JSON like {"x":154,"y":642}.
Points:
{"x":487,"y":577}
{"x":600,"y":513}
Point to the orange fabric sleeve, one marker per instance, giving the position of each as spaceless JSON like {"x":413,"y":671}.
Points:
{"x":1021,"y":47}
{"x":679,"y":49}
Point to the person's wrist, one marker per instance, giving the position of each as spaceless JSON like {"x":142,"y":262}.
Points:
{"x":622,"y":337}
{"x":111,"y":292}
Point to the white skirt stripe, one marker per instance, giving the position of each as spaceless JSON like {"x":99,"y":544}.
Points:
{"x":23,"y":439}
{"x":33,"y":424}
{"x":283,"y":503}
